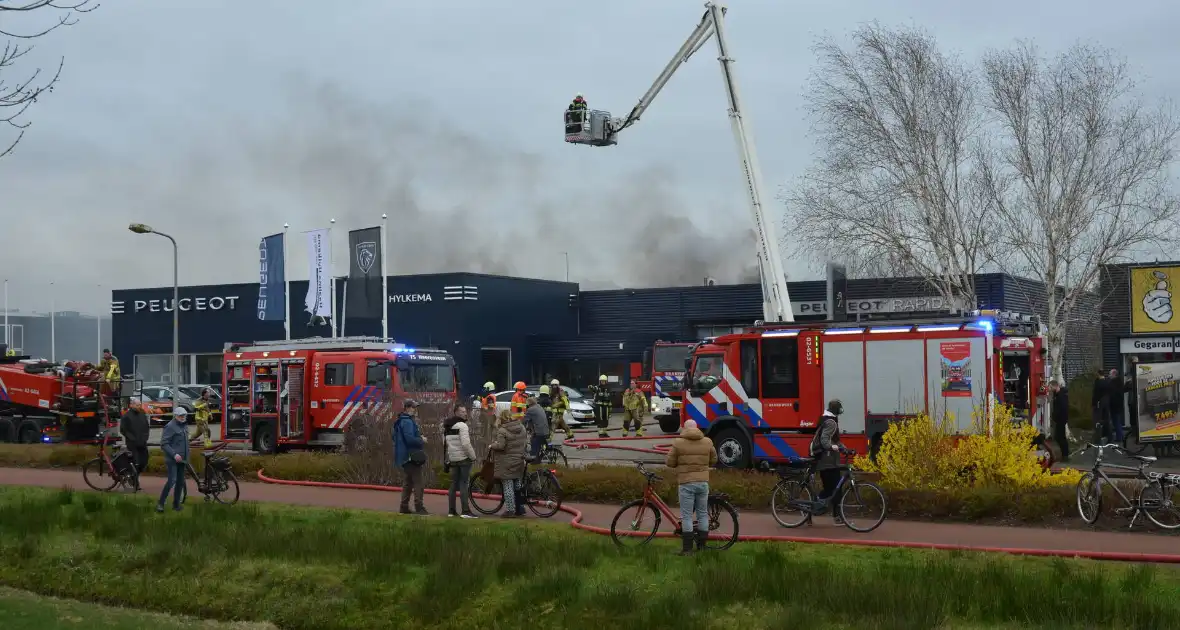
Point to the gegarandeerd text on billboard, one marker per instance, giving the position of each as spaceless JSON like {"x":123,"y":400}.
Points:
{"x":1158,"y":401}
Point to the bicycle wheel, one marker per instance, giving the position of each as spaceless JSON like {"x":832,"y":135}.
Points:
{"x":486,"y":498}
{"x":544,"y":494}
{"x":723,"y":525}
{"x":1159,"y":504}
{"x":97,"y":475}
{"x":130,"y":480}
{"x":863,"y":507}
{"x":554,"y":456}
{"x":631,"y":524}
{"x":224,"y":487}
{"x":1089,"y":494}
{"x":786,"y":503}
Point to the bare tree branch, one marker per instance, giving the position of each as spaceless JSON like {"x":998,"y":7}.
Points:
{"x":1076,"y":172}
{"x":894,"y":188}
{"x":17,"y":96}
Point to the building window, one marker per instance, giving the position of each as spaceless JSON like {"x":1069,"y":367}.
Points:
{"x":338,"y":374}
{"x":156,"y":368}
{"x":208,"y":369}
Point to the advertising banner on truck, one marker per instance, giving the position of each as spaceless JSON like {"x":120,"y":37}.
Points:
{"x":956,"y":368}
{"x":1158,"y":402}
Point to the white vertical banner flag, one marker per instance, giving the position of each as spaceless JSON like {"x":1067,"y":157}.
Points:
{"x":319,"y":286}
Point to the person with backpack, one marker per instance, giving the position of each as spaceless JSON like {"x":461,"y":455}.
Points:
{"x":408,"y":453}
{"x":826,"y":450}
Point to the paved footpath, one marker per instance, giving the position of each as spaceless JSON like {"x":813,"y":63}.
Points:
{"x":752,"y":523}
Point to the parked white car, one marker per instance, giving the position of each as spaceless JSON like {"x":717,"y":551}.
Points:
{"x":581,"y":412}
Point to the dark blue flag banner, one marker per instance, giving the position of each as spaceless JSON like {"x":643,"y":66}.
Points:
{"x":271,"y":280}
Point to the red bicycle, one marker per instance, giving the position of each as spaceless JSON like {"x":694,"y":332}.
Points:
{"x":105,"y":472}
{"x":639,"y":521}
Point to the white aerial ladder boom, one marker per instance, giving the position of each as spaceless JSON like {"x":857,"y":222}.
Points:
{"x":597,"y":128}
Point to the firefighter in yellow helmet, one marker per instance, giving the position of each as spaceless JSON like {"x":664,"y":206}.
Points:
{"x":202,"y":413}
{"x":634,"y":408}
{"x":520,"y":401}
{"x":602,"y":405}
{"x":559,"y":407}
{"x":109,"y":368}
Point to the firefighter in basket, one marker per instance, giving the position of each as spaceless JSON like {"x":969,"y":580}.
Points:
{"x":602,"y":405}
{"x":560,"y":405}
{"x":520,"y":401}
{"x":634,"y":408}
{"x":202,"y":415}
{"x":575,"y":114}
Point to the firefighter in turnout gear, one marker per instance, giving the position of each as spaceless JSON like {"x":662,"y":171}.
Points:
{"x":561,"y":404}
{"x":520,"y":401}
{"x":109,"y":368}
{"x":602,"y":405}
{"x":202,"y":415}
{"x":634,"y":408}
{"x":545,"y":400}
{"x":487,"y":402}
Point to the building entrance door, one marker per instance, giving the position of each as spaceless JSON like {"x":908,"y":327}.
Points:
{"x":496,"y":364}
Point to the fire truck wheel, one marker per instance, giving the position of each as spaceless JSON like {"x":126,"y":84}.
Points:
{"x":29,"y":434}
{"x":670,"y":423}
{"x":264,"y":438}
{"x":733,"y":448}
{"x":7,"y":430}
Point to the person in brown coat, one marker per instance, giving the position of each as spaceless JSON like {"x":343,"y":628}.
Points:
{"x":692,"y":455}
{"x":509,"y":450}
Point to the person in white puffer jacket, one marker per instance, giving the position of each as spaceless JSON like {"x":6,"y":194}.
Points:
{"x":459,"y":456}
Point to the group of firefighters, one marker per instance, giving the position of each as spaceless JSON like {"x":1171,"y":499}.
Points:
{"x":553,"y":399}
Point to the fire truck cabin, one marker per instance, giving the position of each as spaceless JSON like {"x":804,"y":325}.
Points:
{"x":759,"y":394}
{"x":305,"y":393}
{"x":662,"y":379}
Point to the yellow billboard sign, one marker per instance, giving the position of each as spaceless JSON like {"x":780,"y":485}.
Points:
{"x":1152,"y":294}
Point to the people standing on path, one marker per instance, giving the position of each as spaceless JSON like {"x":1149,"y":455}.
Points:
{"x":409,"y":454}
{"x":826,"y":449}
{"x":691,"y":456}
{"x":538,"y":424}
{"x":460,"y":455}
{"x":602,"y":405}
{"x":1059,"y":416}
{"x":508,"y":450}
{"x":559,"y":407}
{"x":174,"y":443}
{"x":634,"y":408}
{"x":134,"y":428}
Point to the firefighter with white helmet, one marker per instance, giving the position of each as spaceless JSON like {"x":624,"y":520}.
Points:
{"x":602,"y":405}
{"x":559,"y":406}
{"x":487,"y":400}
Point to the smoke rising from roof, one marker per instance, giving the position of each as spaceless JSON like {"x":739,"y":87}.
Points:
{"x":455,"y":202}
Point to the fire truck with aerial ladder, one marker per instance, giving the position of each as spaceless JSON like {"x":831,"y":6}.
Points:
{"x":49,"y":402}
{"x":305,"y":393}
{"x":759,"y":394}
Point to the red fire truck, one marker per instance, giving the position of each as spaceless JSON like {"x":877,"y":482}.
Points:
{"x":662,"y":378}
{"x":47,"y":402}
{"x":759,"y":394}
{"x":304,"y":393}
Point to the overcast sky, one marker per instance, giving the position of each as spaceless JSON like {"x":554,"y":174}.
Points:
{"x":218,"y":121}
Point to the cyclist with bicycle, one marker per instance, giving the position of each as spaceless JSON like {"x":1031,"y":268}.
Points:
{"x":691,"y":456}
{"x":826,"y":450}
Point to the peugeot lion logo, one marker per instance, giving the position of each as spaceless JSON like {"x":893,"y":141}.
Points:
{"x":366,"y":253}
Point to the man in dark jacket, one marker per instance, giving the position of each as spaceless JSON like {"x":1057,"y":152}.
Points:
{"x":538,"y":424}
{"x":174,"y":443}
{"x":1059,"y":415}
{"x":826,"y":449}
{"x":408,"y":443}
{"x":135,"y":430}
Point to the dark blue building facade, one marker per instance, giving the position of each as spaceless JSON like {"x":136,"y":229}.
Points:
{"x":506,"y":329}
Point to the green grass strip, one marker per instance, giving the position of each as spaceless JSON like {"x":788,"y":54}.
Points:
{"x":324,"y":569}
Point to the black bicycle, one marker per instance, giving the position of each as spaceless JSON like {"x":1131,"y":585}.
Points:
{"x":218,"y":482}
{"x":554,"y":455}
{"x":540,"y":488}
{"x":1156,"y":497}
{"x":862,"y":504}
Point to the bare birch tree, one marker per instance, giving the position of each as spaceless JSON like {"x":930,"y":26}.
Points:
{"x":1075,"y":173}
{"x":894,"y":189}
{"x":18,"y":91}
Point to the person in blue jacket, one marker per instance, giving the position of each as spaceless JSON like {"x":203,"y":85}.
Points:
{"x":408,"y":453}
{"x":174,"y":443}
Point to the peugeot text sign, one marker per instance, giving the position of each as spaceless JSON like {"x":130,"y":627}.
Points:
{"x":929,"y":304}
{"x":215,"y":303}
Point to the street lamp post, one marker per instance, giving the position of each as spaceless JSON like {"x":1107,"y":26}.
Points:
{"x":140,"y":228}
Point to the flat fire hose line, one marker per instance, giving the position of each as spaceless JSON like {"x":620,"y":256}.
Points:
{"x":577,"y":523}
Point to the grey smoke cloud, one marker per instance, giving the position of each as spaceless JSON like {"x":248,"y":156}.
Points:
{"x":456,"y":202}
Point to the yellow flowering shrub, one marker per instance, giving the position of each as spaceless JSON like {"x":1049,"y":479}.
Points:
{"x":925,"y":454}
